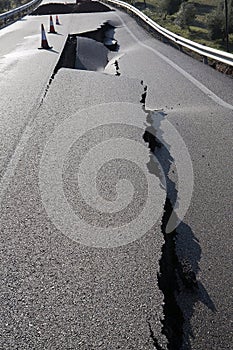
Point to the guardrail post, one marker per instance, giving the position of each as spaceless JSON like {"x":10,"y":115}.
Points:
{"x":205,"y":60}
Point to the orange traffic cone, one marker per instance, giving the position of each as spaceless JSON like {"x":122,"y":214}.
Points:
{"x":52,"y":29}
{"x":57,"y":21}
{"x":44,"y":41}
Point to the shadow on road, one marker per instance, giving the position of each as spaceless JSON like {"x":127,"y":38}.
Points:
{"x":181,"y":252}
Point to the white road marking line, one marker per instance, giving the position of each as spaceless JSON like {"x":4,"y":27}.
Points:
{"x":199,"y":85}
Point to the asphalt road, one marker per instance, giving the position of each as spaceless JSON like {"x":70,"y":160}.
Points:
{"x":86,"y":261}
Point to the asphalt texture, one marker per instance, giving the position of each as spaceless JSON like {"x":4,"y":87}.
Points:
{"x":91,"y":55}
{"x":84,"y":249}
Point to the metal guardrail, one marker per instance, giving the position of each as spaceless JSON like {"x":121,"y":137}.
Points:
{"x":202,"y":50}
{"x":18,"y":12}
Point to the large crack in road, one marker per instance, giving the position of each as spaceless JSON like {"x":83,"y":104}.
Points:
{"x":175,"y":273}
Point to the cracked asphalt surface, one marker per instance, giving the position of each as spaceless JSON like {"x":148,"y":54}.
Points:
{"x":59,"y":292}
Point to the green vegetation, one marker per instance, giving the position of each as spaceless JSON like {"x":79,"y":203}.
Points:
{"x":186,"y":15}
{"x":6,"y":5}
{"x":202,"y":21}
{"x":170,"y":6}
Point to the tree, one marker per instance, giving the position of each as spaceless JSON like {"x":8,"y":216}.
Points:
{"x":230,"y":15}
{"x":170,"y":6}
{"x":4,"y":5}
{"x":186,"y":15}
{"x":216,"y":23}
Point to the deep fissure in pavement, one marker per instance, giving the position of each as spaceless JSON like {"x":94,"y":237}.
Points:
{"x":180,"y":253}
{"x":66,"y":60}
{"x":68,"y":55}
{"x":154,"y":339}
{"x":167,"y":278}
{"x":175,"y":273}
{"x":167,"y":281}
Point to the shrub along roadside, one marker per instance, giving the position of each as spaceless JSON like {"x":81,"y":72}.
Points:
{"x":202,"y":21}
{"x":7,"y":5}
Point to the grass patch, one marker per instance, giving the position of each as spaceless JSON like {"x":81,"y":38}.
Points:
{"x":7,"y":5}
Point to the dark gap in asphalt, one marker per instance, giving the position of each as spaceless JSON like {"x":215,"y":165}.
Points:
{"x":180,"y":254}
{"x":151,"y":140}
{"x":80,"y":6}
{"x":172,"y":324}
{"x":154,"y":339}
{"x":117,"y":68}
{"x":167,"y":278}
{"x":167,"y":282}
{"x":66,"y":60}
{"x":143,"y":96}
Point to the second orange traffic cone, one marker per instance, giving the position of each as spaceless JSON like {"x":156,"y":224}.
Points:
{"x":57,"y":21}
{"x":44,"y":41}
{"x":52,"y":29}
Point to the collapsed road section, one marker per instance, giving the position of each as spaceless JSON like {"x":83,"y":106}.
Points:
{"x":89,"y":51}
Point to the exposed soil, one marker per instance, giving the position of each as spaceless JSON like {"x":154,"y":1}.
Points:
{"x":223,"y":68}
{"x":79,"y":7}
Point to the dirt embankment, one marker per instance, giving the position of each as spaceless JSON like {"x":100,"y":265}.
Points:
{"x":79,"y":7}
